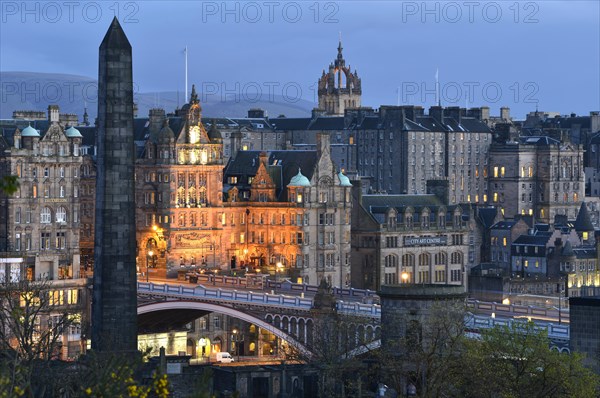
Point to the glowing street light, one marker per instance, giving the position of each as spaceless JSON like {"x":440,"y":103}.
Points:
{"x":404,"y":277}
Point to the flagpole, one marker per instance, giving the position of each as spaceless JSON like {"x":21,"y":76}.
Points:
{"x":186,"y":73}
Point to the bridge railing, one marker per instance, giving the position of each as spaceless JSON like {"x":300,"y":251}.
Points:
{"x":555,"y":331}
{"x":358,"y":308}
{"x":185,"y":291}
{"x":242,"y":282}
{"x":517,"y":310}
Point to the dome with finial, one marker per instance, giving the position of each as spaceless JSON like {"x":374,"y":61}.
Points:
{"x":72,"y":132}
{"x":214,"y":135}
{"x":30,"y":132}
{"x":299,"y":180}
{"x":344,"y":180}
{"x":165,"y":135}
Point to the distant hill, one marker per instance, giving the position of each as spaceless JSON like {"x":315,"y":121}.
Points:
{"x":35,"y":91}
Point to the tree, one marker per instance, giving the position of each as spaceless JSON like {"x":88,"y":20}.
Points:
{"x":424,"y":351}
{"x":31,"y":328}
{"x":9,"y":184}
{"x":337,"y":343}
{"x":516,"y":361}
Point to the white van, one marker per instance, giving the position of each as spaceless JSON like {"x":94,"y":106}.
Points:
{"x":224,"y":357}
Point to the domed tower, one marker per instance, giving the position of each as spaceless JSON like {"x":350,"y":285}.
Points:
{"x":339,"y":88}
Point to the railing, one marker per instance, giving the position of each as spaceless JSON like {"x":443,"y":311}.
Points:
{"x":279,"y":300}
{"x":358,"y":308}
{"x":518,"y":310}
{"x":201,"y":292}
{"x":555,"y":331}
{"x":243,"y":282}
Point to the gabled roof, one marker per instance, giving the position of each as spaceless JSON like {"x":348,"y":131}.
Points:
{"x":282,"y":167}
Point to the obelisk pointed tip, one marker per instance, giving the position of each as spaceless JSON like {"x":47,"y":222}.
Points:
{"x":115,"y":36}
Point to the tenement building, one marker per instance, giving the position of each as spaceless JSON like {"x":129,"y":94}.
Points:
{"x":41,"y":220}
{"x":400,"y":148}
{"x":39,"y":224}
{"x":537,"y":176}
{"x":409,"y":239}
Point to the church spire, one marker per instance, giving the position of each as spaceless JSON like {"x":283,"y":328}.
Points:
{"x":194,"y":96}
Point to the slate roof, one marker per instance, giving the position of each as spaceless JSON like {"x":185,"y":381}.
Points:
{"x":539,"y":140}
{"x":487,"y":216}
{"x":286,"y":123}
{"x":583,"y":221}
{"x":398,"y":201}
{"x":531,"y":240}
{"x":585,"y":252}
{"x":282,"y":166}
{"x":504,"y":225}
{"x":327,"y":123}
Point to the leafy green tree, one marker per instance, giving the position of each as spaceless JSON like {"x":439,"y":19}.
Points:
{"x":9,"y":184}
{"x":31,"y":329}
{"x":516,"y":361}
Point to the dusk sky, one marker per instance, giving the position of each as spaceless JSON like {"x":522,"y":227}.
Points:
{"x":501,"y":53}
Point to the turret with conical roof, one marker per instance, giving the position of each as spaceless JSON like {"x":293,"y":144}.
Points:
{"x":583,"y":225}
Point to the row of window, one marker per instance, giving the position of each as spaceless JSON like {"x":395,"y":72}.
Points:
{"x":23,"y":242}
{"x":60,"y":215}
{"x":408,"y":259}
{"x":391,"y":278}
{"x":47,"y":171}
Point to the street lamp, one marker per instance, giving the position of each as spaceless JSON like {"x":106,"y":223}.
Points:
{"x":235,"y":346}
{"x":404,"y":277}
{"x":278,"y":270}
{"x":148,"y":257}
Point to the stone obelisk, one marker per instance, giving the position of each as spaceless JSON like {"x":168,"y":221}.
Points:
{"x":114,"y":305}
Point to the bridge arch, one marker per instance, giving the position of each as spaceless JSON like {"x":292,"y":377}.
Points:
{"x":209,"y":307}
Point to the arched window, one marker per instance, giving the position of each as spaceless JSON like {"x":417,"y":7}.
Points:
{"x":456,"y":258}
{"x":408,"y":260}
{"x":441,"y":258}
{"x":424,"y":259}
{"x":425,"y":219}
{"x":46,"y":216}
{"x":391,"y":261}
{"x":61,"y":214}
{"x":61,"y":191}
{"x":409,"y":220}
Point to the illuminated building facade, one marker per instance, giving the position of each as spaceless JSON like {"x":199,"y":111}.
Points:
{"x":286,"y":212}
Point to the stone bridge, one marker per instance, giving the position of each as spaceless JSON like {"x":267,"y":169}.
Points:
{"x":289,"y":317}
{"x":165,"y":305}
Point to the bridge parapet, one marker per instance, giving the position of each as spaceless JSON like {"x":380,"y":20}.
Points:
{"x":233,"y":296}
{"x":555,"y":332}
{"x":373,"y":310}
